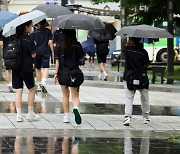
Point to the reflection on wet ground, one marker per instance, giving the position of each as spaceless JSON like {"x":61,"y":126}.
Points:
{"x":76,"y":145}
{"x":90,"y":108}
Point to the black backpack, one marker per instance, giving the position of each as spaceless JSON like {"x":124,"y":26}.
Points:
{"x":13,"y":55}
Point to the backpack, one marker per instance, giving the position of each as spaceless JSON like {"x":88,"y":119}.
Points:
{"x":13,"y":55}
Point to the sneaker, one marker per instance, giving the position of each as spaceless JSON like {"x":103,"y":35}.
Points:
{"x":44,"y":90}
{"x":127,"y":121}
{"x":19,"y":118}
{"x":38,"y":89}
{"x":100,"y":76}
{"x":105,"y":76}
{"x":77,"y":116}
{"x":10,"y":89}
{"x":66,"y":119}
{"x":146,"y":120}
{"x":32,"y":117}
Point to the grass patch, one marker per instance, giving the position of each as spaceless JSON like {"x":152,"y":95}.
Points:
{"x":175,"y":77}
{"x":176,"y":73}
{"x":174,"y":138}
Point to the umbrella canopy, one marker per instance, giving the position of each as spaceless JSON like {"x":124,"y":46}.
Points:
{"x":6,"y":17}
{"x":53,"y":11}
{"x":78,"y":21}
{"x":144,"y":31}
{"x":104,"y":34}
{"x":88,"y":46}
{"x":36,"y":16}
{"x":150,"y":40}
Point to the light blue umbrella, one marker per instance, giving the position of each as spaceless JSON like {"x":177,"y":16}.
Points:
{"x":6,"y":17}
{"x":10,"y":28}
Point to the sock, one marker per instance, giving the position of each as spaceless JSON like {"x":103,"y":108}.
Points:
{"x":105,"y":74}
{"x":10,"y":85}
{"x":76,"y":107}
{"x":38,"y":84}
{"x":43,"y":81}
{"x":18,"y":111}
{"x":66,"y":114}
{"x":30,"y":109}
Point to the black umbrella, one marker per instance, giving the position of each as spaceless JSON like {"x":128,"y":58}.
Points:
{"x":104,"y":34}
{"x":52,"y":11}
{"x":78,"y":21}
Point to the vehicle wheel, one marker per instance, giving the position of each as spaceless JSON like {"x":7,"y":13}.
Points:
{"x":162,"y":55}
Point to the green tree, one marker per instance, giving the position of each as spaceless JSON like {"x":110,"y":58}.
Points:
{"x":157,"y":10}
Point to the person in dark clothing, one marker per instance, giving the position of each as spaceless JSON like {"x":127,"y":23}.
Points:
{"x":4,"y":43}
{"x":57,"y":36}
{"x":25,"y":72}
{"x":67,"y":55}
{"x":136,"y":58}
{"x":102,"y":50}
{"x":44,"y":48}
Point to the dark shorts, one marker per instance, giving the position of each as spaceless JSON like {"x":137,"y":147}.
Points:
{"x":42,"y":61}
{"x":101,"y":58}
{"x":19,"y":77}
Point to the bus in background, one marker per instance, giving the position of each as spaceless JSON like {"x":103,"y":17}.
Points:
{"x":158,"y":50}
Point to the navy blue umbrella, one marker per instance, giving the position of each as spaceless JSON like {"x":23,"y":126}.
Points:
{"x":88,"y":46}
{"x":6,"y":17}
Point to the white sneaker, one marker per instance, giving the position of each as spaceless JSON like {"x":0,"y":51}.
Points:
{"x":146,"y":120}
{"x":38,"y":89}
{"x":100,"y":76}
{"x":66,"y":119}
{"x":127,"y":121}
{"x":19,"y":118}
{"x":32,"y":117}
{"x":105,"y":76}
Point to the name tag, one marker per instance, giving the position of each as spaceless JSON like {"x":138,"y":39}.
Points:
{"x":136,"y":82}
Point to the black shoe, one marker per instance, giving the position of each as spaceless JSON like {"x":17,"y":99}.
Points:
{"x":43,"y":89}
{"x":77,"y":116}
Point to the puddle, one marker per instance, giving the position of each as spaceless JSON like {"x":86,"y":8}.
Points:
{"x":90,"y":108}
{"x":76,"y":145}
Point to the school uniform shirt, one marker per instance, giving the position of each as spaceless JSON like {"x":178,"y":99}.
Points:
{"x":27,"y":47}
{"x":56,"y":37}
{"x":102,"y":47}
{"x":71,"y":62}
{"x":136,"y":59}
{"x":41,"y":38}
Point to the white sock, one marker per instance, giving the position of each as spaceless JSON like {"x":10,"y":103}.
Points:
{"x":30,"y":109}
{"x":66,"y":114}
{"x":76,"y":107}
{"x":18,"y":111}
{"x":43,"y":81}
{"x":10,"y":84}
{"x":105,"y":74}
{"x":38,"y":84}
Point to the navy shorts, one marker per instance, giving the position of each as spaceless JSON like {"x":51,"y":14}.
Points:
{"x":19,"y":77}
{"x":101,"y":58}
{"x":42,"y":61}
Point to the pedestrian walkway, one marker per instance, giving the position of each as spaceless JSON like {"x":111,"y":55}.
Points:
{"x":91,"y":122}
{"x":107,"y":95}
{"x":104,"y":94}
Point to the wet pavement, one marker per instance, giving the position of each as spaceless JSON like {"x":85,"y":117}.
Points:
{"x":90,"y":108}
{"x":102,"y":130}
{"x":60,"y":143}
